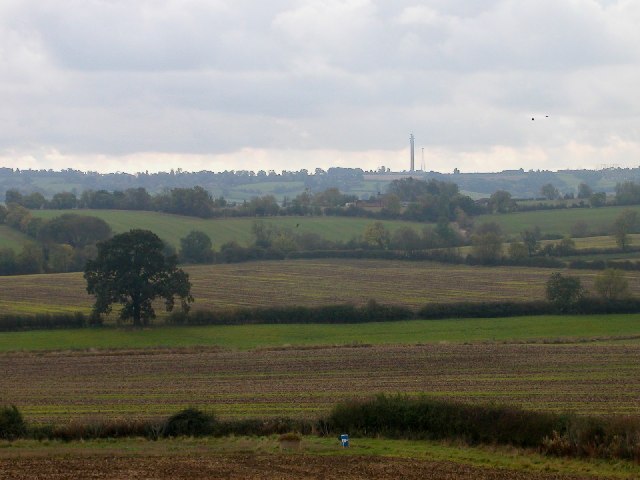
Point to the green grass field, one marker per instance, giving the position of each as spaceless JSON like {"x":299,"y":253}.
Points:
{"x":11,"y":238}
{"x":172,"y":228}
{"x":556,"y":221}
{"x":246,"y":337}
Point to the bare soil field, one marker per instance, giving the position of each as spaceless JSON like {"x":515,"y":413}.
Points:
{"x":64,"y":387}
{"x":251,"y":467}
{"x":309,"y":283}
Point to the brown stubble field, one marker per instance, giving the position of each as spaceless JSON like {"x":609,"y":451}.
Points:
{"x":64,"y":387}
{"x":309,"y":283}
{"x":209,"y":465}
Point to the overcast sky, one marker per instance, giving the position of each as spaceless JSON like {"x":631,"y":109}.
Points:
{"x":121,"y":85}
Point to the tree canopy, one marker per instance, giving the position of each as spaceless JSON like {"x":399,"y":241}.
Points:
{"x":196,"y":247}
{"x":132,"y":270}
{"x":564,"y":291}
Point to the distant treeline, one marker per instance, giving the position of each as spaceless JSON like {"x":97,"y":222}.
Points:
{"x":407,"y":198}
{"x":521,"y":183}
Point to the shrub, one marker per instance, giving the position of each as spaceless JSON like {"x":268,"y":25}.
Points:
{"x":86,"y":429}
{"x":189,"y":422}
{"x":290,"y":437}
{"x":12,"y":425}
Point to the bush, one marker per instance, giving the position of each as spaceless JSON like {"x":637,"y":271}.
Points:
{"x":87,"y":429}
{"x":12,"y":425}
{"x":189,"y":422}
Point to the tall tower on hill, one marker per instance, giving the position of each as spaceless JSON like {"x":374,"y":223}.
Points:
{"x":413,"y":163}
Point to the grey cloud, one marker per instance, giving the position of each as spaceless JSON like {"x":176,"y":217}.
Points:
{"x":218,"y":76}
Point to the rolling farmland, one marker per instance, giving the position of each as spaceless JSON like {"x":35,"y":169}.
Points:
{"x":557,"y":221}
{"x":172,"y":228}
{"x":309,"y":283}
{"x":11,"y":238}
{"x":304,"y":383}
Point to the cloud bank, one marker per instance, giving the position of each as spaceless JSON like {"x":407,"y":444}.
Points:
{"x":289,"y":84}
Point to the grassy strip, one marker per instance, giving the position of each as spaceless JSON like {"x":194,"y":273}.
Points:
{"x":246,"y":337}
{"x":557,"y":221}
{"x":480,"y":456}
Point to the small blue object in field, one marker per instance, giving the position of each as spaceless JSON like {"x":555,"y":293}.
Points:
{"x":344,"y":440}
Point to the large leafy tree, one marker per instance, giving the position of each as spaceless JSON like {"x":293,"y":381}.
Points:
{"x":196,"y":247}
{"x":132,"y":270}
{"x":564,"y":291}
{"x":75,"y":230}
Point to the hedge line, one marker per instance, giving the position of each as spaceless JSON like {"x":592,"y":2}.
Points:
{"x":46,"y":321}
{"x":390,"y":416}
{"x":336,"y":314}
{"x":372,"y":312}
{"x":426,"y":418}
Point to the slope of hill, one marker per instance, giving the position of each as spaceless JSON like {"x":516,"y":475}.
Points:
{"x":559,"y":221}
{"x":172,"y":228}
{"x":11,"y":238}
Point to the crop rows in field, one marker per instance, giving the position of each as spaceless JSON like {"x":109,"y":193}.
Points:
{"x":310,"y":283}
{"x":307,"y":382}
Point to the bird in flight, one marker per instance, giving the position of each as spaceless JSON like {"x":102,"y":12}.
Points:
{"x":533,"y":118}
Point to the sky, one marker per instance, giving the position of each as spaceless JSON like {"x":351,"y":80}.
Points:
{"x":150,"y":85}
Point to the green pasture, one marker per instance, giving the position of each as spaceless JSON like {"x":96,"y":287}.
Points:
{"x":172,"y":228}
{"x":245,"y":337}
{"x":11,"y":238}
{"x":500,"y":457}
{"x":556,"y":221}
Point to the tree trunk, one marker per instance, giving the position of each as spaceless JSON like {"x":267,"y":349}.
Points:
{"x":136,"y":313}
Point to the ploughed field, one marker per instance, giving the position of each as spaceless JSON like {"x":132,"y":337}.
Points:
{"x":64,"y":387}
{"x":309,"y":283}
{"x":249,"y":466}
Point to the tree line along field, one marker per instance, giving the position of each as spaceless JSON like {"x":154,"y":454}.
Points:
{"x":295,"y":382}
{"x":309,"y":283}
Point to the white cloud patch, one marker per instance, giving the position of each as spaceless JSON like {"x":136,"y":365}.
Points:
{"x":292,"y":82}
